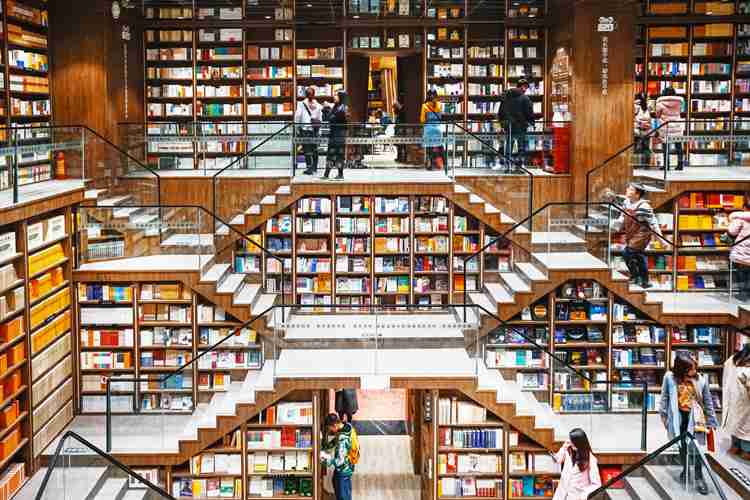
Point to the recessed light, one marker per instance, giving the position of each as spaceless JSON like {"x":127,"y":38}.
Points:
{"x":268,"y":17}
{"x":355,"y":17}
{"x":309,"y":5}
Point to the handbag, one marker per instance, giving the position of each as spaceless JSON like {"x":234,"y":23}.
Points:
{"x":699,"y":416}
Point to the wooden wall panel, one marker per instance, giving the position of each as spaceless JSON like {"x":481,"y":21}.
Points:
{"x":601,"y":124}
{"x":87,"y":63}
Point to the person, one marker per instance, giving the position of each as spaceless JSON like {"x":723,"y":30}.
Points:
{"x":580,"y":470}
{"x":346,"y":404}
{"x":642,"y":128}
{"x":669,"y":111}
{"x":337,"y":449}
{"x":686,"y":406}
{"x":399,"y":113}
{"x":432,"y":132}
{"x":384,"y":118}
{"x":309,"y":115}
{"x":517,"y":113}
{"x":739,"y":228}
{"x":638,"y":222}
{"x":337,"y":119}
{"x":373,"y":119}
{"x":735,"y":387}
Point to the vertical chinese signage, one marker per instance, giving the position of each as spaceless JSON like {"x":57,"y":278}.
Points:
{"x":606,"y":25}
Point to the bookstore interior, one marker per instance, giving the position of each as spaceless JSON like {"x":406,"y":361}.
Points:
{"x":538,"y":234}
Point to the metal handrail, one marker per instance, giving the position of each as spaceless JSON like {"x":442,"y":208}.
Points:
{"x":53,"y":464}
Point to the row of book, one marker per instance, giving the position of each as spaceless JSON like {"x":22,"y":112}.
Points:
{"x":469,"y":463}
{"x":287,"y":437}
{"x":470,"y":438}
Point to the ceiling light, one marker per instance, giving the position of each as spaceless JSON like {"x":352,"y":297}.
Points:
{"x":309,"y":5}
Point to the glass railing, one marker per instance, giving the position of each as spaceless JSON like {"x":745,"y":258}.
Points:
{"x":179,"y":238}
{"x":700,"y":148}
{"x":80,"y":469}
{"x":73,"y":157}
{"x":678,"y":469}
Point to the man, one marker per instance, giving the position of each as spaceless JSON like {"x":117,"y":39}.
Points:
{"x":639,"y":224}
{"x":308,"y":117}
{"x":517,"y":113}
{"x":337,"y":450}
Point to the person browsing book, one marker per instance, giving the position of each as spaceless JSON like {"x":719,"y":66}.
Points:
{"x":340,"y":451}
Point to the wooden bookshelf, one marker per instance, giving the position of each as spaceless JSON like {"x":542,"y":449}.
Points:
{"x":25,"y":96}
{"x":272,"y":456}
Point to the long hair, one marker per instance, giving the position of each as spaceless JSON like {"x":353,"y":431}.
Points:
{"x":742,"y":357}
{"x":682,"y":365}
{"x":582,"y":454}
{"x":668,"y":91}
{"x":431,"y":95}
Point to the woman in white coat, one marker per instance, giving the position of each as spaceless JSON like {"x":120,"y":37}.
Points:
{"x":736,"y":397}
{"x":580,"y":470}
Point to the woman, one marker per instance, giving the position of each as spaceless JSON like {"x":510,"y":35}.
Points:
{"x":337,"y":118}
{"x":736,"y":397}
{"x":669,"y":110}
{"x":580,"y":471}
{"x":687,"y":406}
{"x":641,"y":128}
{"x":399,"y":114}
{"x":739,"y":228}
{"x":432,"y":131}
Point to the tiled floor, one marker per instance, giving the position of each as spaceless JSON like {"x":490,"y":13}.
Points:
{"x":385,"y":470}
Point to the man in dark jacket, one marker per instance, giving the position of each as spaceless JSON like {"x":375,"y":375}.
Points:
{"x":517,"y":113}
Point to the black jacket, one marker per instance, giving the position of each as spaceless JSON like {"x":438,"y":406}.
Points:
{"x":346,"y":401}
{"x":337,"y":119}
{"x":517,"y":109}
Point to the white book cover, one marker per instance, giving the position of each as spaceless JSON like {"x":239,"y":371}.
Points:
{"x":7,"y":245}
{"x":35,"y":235}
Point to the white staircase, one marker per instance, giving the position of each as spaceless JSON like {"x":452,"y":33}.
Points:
{"x":488,"y":208}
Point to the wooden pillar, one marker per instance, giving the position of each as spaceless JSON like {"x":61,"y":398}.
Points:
{"x":602,"y":120}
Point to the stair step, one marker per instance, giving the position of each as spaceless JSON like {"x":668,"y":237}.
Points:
{"x":515,"y":282}
{"x":618,"y":494}
{"x":124,"y":212}
{"x":481,"y":299}
{"x":507,"y":219}
{"x":231,"y":283}
{"x":473,"y":198}
{"x":265,"y":300}
{"x":569,"y":260}
{"x":457,"y":188}
{"x":93,"y":194}
{"x":268,"y":199}
{"x":640,"y":488}
{"x":137,"y":494}
{"x":531,"y":271}
{"x":112,"y":488}
{"x":499,"y":294}
{"x":222,"y":230}
{"x":114,"y":201}
{"x":489,"y":209}
{"x":216,"y":272}
{"x":253,"y":210}
{"x":247,"y":295}
{"x":284,"y":190}
{"x":238,"y":220}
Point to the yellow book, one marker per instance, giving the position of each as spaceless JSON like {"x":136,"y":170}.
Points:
{"x":682,"y":282}
{"x":198,"y":488}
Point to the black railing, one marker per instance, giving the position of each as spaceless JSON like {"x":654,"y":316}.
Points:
{"x":54,"y":464}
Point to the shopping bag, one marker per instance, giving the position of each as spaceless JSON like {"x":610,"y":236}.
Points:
{"x":711,"y":441}
{"x":328,"y":481}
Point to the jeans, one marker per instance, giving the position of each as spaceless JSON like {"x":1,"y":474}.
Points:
{"x":742,"y":444}
{"x":342,"y":486}
{"x":639,"y":271}
{"x":684,"y":420}
{"x":517,"y":138}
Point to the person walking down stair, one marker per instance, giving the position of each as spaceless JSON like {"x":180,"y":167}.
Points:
{"x":339,"y":450}
{"x":639,"y":224}
{"x":337,"y":121}
{"x":735,"y":388}
{"x":686,"y":406}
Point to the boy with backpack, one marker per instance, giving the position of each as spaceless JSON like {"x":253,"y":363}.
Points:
{"x":341,"y":451}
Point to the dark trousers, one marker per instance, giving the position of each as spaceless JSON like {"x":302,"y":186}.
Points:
{"x":684,"y":420}
{"x":311,"y":151}
{"x":741,"y":285}
{"x":517,"y":138}
{"x":680,"y":155}
{"x":643,"y":147}
{"x":637,"y":263}
{"x":342,"y":486}
{"x":336,"y":156}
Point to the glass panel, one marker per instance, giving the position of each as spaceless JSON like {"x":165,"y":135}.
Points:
{"x":678,"y":469}
{"x":79,"y":470}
